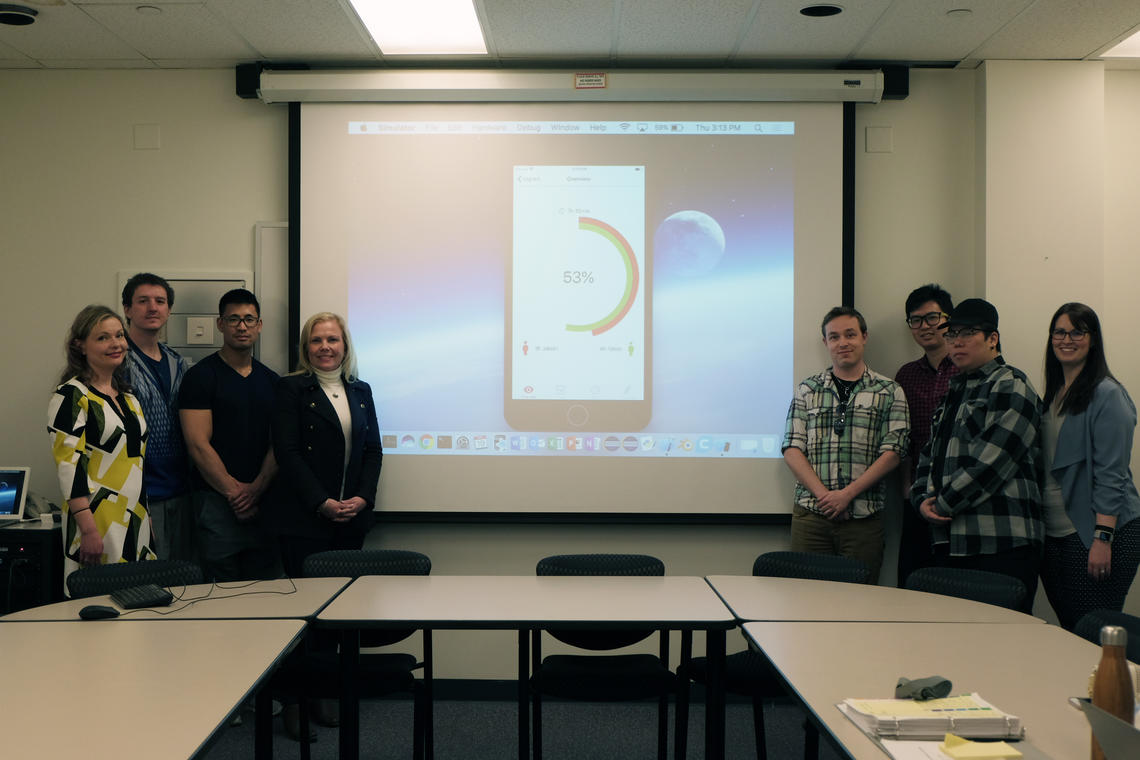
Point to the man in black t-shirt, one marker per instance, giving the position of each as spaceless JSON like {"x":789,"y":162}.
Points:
{"x":225,"y":406}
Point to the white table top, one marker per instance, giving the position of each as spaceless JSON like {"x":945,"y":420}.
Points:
{"x":761,"y":598}
{"x":1026,"y":670}
{"x":86,"y":689}
{"x":527,"y":601}
{"x":251,"y":600}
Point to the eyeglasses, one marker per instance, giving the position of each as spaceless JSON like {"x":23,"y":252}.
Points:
{"x":841,"y":420}
{"x":1076,"y":336}
{"x":932,"y":319}
{"x":961,"y":332}
{"x":234,"y":320}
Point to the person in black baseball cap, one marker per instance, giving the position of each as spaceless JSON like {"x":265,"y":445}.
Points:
{"x":972,"y":334}
{"x":978,"y":482}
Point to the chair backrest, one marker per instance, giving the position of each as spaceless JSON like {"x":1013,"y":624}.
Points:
{"x":103,"y":579}
{"x":978,"y":585}
{"x":353,"y":563}
{"x":600,"y":564}
{"x":1088,"y":627}
{"x":818,"y":567}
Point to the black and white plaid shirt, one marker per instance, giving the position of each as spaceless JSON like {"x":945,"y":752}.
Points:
{"x":984,"y":462}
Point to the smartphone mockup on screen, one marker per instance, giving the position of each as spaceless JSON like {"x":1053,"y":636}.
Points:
{"x":578,"y":348}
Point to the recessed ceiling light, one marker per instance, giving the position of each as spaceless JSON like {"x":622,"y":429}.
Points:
{"x":959,"y":12}
{"x":17,"y":15}
{"x":148,"y":10}
{"x":423,"y":27}
{"x":821,"y":11}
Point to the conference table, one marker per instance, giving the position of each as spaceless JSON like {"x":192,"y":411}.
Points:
{"x":151,"y":689}
{"x":1027,"y":670}
{"x":283,"y":598}
{"x":524,"y":604}
{"x":766,"y":598}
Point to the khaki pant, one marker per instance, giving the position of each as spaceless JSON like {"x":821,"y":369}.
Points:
{"x":860,"y":539}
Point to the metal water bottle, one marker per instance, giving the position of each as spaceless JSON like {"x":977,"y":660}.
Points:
{"x":1112,"y":687}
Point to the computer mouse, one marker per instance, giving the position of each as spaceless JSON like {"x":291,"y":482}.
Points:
{"x":98,"y":612}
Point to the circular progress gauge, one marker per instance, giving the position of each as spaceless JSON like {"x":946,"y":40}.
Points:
{"x":632,"y":276}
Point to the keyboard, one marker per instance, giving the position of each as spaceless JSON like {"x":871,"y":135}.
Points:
{"x":147,"y":595}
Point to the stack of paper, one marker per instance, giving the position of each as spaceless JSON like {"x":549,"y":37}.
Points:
{"x":968,"y":715}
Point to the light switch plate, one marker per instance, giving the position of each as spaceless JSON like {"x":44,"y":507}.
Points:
{"x":199,"y":331}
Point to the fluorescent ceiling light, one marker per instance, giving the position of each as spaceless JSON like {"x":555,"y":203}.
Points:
{"x":422,"y":27}
{"x":1128,"y":48}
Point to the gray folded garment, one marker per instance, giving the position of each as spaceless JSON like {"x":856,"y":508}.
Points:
{"x":931,"y":687}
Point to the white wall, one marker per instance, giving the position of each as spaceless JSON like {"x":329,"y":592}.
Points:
{"x":77,"y":204}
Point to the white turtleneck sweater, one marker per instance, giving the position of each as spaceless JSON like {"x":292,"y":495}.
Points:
{"x":332,"y":383}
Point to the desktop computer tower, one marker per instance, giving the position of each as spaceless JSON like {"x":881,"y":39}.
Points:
{"x":31,"y":566}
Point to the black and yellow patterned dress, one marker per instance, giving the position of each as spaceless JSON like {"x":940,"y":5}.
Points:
{"x":99,"y":455}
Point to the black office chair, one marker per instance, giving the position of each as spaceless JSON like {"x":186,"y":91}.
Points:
{"x":748,"y":673}
{"x":1088,"y":627}
{"x":606,"y":678}
{"x":316,"y":673}
{"x":978,"y":585}
{"x":95,"y":580}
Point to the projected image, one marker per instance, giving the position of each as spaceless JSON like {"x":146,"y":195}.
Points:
{"x":572,"y":289}
{"x":577,"y":338}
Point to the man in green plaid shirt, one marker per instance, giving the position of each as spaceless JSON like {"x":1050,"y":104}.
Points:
{"x":847,"y":428}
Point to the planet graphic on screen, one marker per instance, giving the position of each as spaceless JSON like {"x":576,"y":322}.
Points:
{"x":688,"y":243}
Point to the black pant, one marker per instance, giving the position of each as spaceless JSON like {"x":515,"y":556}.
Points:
{"x":1065,"y":576}
{"x":1021,"y":563}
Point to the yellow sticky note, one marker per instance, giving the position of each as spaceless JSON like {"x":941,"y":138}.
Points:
{"x":964,"y":749}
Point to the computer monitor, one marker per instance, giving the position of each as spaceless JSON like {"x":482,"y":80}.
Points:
{"x":13,"y":492}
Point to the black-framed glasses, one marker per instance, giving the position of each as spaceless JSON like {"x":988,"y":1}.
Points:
{"x":930,"y":319}
{"x":1076,"y":336}
{"x":841,"y":421}
{"x":961,"y":332}
{"x":234,"y":320}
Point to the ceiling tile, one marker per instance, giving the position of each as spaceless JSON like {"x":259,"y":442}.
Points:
{"x":528,"y":29}
{"x":297,"y":30}
{"x":924,"y":32}
{"x":681,"y":27}
{"x":1061,"y":29}
{"x":779,"y":31}
{"x":97,"y":63}
{"x":179,"y":31}
{"x":66,"y":31}
{"x":14,"y":59}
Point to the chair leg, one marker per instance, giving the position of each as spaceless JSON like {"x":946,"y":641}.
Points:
{"x":663,"y":727}
{"x":758,"y":726}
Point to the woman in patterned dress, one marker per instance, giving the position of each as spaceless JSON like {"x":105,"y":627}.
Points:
{"x":98,"y":437}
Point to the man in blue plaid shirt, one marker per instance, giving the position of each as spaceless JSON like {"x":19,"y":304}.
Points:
{"x":847,"y":428}
{"x":979,"y":478}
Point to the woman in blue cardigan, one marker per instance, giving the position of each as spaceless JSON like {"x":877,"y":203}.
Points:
{"x":1092,"y":544}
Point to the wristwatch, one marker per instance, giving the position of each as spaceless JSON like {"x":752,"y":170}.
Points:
{"x":1100,"y":534}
